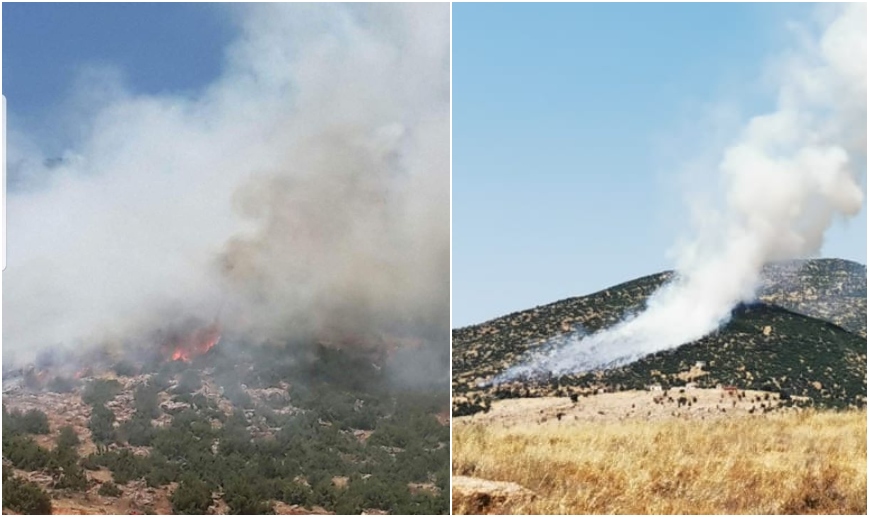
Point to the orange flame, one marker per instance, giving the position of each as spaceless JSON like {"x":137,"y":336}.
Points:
{"x":197,"y":343}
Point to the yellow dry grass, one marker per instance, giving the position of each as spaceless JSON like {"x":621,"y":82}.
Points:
{"x":793,"y":463}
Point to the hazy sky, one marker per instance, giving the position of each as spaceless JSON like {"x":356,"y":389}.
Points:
{"x":577,"y":127}
{"x":158,"y":48}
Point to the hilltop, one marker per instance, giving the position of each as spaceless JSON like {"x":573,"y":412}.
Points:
{"x":833,"y":290}
{"x":804,"y":337}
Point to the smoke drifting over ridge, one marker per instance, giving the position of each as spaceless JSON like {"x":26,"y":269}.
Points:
{"x":305,"y":192}
{"x":788,"y":175}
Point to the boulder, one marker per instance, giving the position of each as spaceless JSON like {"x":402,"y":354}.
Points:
{"x":478,"y":495}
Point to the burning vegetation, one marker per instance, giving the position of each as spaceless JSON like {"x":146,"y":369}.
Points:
{"x":192,"y":344}
{"x":326,"y":218}
{"x":200,"y":428}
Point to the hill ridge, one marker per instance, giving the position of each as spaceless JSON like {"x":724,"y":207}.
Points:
{"x":665,"y":275}
{"x":760,"y":340}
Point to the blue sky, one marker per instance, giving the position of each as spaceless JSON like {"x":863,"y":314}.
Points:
{"x":157,"y":48}
{"x":571,"y":124}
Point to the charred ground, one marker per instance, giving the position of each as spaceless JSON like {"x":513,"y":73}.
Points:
{"x":295,"y":428}
{"x":804,"y":337}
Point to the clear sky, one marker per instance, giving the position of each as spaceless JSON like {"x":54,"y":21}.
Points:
{"x":573,"y":125}
{"x":156,"y":47}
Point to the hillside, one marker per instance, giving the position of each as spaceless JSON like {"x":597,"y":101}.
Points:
{"x":829,"y":289}
{"x":240,"y":429}
{"x":789,"y":342}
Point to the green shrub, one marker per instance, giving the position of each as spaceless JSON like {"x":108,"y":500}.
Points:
{"x":192,"y":497}
{"x":145,"y":401}
{"x":295,"y":493}
{"x":62,"y":385}
{"x":101,"y":424}
{"x":73,"y":478}
{"x":245,"y":497}
{"x":188,"y":383}
{"x":100,"y":391}
{"x":91,"y":462}
{"x":25,"y":497}
{"x":67,"y":438}
{"x":137,"y":431}
{"x":160,"y":471}
{"x":237,"y":395}
{"x":33,"y":421}
{"x":324,"y":494}
{"x":109,"y":489}
{"x":25,"y":454}
{"x":126,"y":466}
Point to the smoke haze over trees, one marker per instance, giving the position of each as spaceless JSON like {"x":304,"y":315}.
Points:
{"x":305,"y":192}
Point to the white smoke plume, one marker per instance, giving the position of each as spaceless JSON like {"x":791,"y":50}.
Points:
{"x":304,"y":192}
{"x":787,"y":177}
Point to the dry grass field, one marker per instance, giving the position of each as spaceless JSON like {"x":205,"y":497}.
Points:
{"x":807,"y":462}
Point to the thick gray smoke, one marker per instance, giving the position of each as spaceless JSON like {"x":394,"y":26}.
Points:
{"x":788,"y":175}
{"x":305,"y":192}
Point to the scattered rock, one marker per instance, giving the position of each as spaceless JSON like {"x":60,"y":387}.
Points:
{"x":486,"y":496}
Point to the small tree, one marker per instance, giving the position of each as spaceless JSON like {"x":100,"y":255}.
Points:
{"x":25,"y":497}
{"x":188,"y":383}
{"x":243,"y":498}
{"x":296,"y":493}
{"x":101,"y":425}
{"x":62,"y":385}
{"x":109,"y":489}
{"x":137,"y":431}
{"x":126,"y":466}
{"x":100,"y":391}
{"x":67,"y":438}
{"x":26,"y":454}
{"x":73,"y":478}
{"x":192,"y":497}
{"x":33,"y":421}
{"x":146,"y":401}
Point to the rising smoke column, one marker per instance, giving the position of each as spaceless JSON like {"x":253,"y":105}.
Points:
{"x":306,"y":190}
{"x":787,"y":176}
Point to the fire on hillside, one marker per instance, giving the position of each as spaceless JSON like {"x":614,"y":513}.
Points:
{"x":188,"y":346}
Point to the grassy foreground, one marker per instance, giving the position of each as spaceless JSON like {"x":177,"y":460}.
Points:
{"x":794,"y":463}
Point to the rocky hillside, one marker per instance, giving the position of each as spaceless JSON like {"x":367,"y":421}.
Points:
{"x":252,"y":430}
{"x":829,"y":289}
{"x":805,"y":337}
